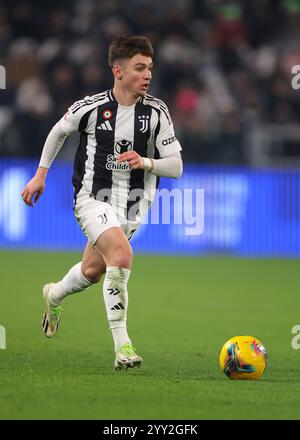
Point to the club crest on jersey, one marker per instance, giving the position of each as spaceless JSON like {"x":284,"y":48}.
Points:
{"x":107,"y":114}
{"x":123,"y":146}
{"x":144,"y":121}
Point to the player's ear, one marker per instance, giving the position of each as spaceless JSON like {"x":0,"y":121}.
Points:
{"x":117,"y":71}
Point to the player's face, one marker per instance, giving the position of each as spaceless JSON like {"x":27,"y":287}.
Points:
{"x":137,"y":74}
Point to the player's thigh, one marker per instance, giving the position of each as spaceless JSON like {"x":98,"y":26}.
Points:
{"x":114,"y":248}
{"x":92,"y":265}
{"x":94,"y":217}
{"x":100,"y":223}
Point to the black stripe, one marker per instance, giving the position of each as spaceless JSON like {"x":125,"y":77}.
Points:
{"x":162,"y":106}
{"x":150,"y":97}
{"x":46,"y":326}
{"x":141,"y":113}
{"x":156,"y":152}
{"x":105,"y":147}
{"x":79,"y":164}
{"x":81,"y":154}
{"x":157,"y":128}
{"x":84,"y":120}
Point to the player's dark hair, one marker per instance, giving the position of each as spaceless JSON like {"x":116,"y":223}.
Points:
{"x":127,"y":47}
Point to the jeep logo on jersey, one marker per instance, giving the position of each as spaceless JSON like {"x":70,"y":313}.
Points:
{"x":144,"y":121}
{"x":123,"y":146}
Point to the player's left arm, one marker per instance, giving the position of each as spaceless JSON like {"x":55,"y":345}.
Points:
{"x":169,"y":166}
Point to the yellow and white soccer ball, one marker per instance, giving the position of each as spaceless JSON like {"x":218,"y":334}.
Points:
{"x":243,"y":358}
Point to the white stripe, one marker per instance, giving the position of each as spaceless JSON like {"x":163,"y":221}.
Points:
{"x":124,"y":129}
{"x":89,"y":101}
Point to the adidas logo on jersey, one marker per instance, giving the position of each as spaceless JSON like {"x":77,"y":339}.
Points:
{"x":105,"y":126}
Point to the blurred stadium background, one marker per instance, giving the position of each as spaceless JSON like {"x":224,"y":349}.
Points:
{"x":225,"y":70}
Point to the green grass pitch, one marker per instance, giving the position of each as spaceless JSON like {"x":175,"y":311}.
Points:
{"x":181,"y":311}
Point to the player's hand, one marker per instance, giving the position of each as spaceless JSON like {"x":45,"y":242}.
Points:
{"x":135,"y":161}
{"x":33,"y":190}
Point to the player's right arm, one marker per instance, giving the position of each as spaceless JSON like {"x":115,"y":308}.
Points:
{"x":35,"y":187}
{"x":68,"y":124}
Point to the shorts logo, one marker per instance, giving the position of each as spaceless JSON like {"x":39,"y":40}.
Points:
{"x":102,"y":218}
{"x":144,"y":121}
{"x":123,"y":146}
{"x":107,"y":114}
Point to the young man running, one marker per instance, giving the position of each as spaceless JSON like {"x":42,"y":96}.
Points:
{"x":127,"y":141}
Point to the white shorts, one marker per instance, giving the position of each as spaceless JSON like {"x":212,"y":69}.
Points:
{"x":95,"y":217}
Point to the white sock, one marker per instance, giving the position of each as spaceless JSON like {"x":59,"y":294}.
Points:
{"x":74,"y":281}
{"x":116,"y":302}
{"x":120,"y":336}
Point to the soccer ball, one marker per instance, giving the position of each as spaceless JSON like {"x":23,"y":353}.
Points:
{"x":243,"y":358}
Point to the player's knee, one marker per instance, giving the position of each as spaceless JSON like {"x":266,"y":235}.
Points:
{"x":91,"y":273}
{"x":122,"y":257}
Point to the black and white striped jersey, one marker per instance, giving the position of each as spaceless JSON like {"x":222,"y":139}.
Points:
{"x":108,"y":129}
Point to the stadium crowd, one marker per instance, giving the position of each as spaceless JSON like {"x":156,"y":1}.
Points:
{"x":223,"y":67}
